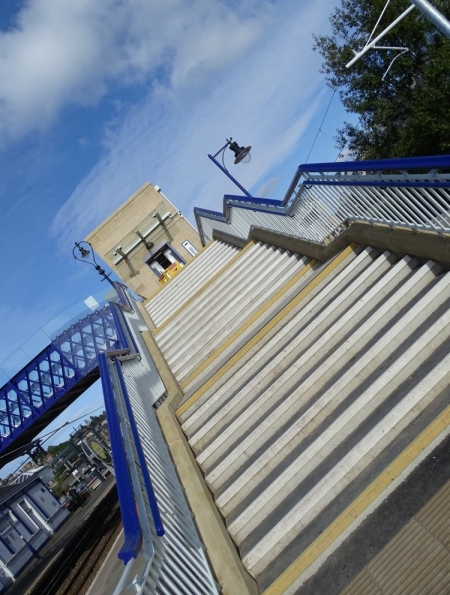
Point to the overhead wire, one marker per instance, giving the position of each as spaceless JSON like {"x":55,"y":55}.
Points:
{"x":49,"y":434}
{"x":320,"y":127}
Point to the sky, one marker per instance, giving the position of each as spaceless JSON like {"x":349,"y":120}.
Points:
{"x":97,"y":98}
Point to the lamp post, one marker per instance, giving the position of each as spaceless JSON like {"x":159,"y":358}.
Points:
{"x":84,"y":253}
{"x":241,"y":154}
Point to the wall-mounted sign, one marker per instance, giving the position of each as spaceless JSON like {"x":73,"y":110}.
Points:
{"x":189,"y":247}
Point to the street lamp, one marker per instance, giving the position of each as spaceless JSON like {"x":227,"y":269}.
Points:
{"x":241,"y":154}
{"x":84,"y":253}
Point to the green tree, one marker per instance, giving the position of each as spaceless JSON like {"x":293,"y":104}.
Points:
{"x":406,"y":113}
{"x":57,"y":448}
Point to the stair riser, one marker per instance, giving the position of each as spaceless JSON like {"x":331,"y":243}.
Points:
{"x":352,"y":465}
{"x":248,"y":364}
{"x":229,"y":281}
{"x":227,"y":317}
{"x":336,"y":432}
{"x":244,"y":335}
{"x":310,"y":328}
{"x":185,"y":283}
{"x":288,"y":378}
{"x":379,"y":353}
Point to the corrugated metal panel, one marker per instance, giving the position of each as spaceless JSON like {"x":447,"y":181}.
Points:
{"x":179,"y":557}
{"x":145,"y":373}
{"x":176,"y":561}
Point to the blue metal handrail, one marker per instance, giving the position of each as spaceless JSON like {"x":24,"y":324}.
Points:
{"x":131,"y":526}
{"x":322,"y":197}
{"x":141,"y":456}
{"x":399,"y":164}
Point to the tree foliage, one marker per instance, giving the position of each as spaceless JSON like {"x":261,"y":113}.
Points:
{"x":406,"y":113}
{"x":57,"y":448}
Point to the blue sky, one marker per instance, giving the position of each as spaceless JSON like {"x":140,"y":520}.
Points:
{"x":98,"y":98}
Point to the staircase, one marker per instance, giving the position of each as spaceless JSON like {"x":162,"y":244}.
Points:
{"x":312,"y":391}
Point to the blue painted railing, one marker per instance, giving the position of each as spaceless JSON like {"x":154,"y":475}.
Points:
{"x":56,"y":371}
{"x":131,"y":526}
{"x":322,"y":197}
{"x":399,"y":164}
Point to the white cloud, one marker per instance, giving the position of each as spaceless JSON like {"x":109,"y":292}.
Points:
{"x":70,"y":52}
{"x":266,"y":97}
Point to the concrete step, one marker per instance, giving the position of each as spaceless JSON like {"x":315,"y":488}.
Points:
{"x":210,"y":293}
{"x":306,"y":310}
{"x":314,"y":407}
{"x":217,"y":319}
{"x":322,"y":333}
{"x":235,"y":313}
{"x":357,"y":356}
{"x":194,"y":275}
{"x":325,"y":444}
{"x":249,"y":267}
{"x":277,"y":267}
{"x":309,"y":507}
{"x":233,"y":373}
{"x":250,"y":327}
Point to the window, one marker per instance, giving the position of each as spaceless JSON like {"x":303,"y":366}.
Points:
{"x":162,"y":258}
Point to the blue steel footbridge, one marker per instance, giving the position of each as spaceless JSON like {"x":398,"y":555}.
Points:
{"x":58,"y":375}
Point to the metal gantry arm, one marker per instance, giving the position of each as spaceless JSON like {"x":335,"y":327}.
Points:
{"x":425,"y":7}
{"x":432,"y":13}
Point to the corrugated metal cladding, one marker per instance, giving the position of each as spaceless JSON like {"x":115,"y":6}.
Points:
{"x":144,"y":371}
{"x":179,"y":564}
{"x":417,"y":560}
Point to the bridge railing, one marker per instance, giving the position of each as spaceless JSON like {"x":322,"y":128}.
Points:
{"x":323,"y":197}
{"x":56,"y":371}
{"x":18,"y":359}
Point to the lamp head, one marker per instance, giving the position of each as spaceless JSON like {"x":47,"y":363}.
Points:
{"x":241,"y":154}
{"x":84,"y":253}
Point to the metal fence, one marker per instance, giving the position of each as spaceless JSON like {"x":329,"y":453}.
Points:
{"x":324,"y":197}
{"x":162,"y":550}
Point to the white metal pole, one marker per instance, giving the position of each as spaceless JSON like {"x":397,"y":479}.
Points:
{"x":382,"y":34}
{"x":433,"y":14}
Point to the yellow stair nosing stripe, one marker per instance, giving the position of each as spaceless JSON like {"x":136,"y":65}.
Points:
{"x":260,"y":334}
{"x":362,"y":502}
{"x":247,"y":324}
{"x":203,"y":287}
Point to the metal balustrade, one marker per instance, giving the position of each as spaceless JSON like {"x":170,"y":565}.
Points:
{"x":179,"y":564}
{"x":324,"y":197}
{"x":130,"y":519}
{"x":161,"y":549}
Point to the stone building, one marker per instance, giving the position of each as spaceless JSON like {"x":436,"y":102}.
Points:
{"x":146,"y":241}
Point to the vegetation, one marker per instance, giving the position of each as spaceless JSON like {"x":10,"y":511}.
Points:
{"x":402,"y":104}
{"x":56,"y":449}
